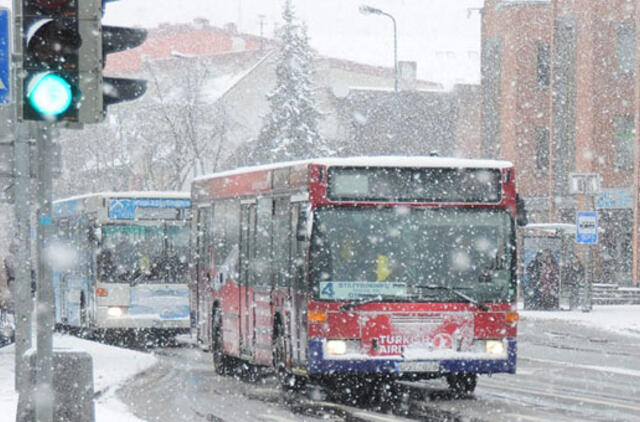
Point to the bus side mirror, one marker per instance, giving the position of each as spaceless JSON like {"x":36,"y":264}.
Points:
{"x":521,"y":212}
{"x":303,"y":229}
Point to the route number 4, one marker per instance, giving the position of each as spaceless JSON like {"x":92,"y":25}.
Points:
{"x":328,"y":290}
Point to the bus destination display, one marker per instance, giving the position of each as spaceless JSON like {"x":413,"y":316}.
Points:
{"x":414,"y":185}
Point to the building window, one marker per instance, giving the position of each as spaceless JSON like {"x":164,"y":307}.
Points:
{"x":542,"y":148}
{"x":624,"y":139}
{"x":544,"y":64}
{"x":626,"y":35}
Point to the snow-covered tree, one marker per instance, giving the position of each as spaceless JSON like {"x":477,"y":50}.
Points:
{"x":190,"y":126}
{"x":175,"y":132}
{"x":290,"y":130}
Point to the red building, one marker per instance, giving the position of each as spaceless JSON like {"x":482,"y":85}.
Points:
{"x":560,"y":83}
{"x":194,"y":39}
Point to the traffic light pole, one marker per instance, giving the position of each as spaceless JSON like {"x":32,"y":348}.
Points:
{"x":23,"y":300}
{"x":44,"y":369}
{"x":22,"y":208}
{"x":587,"y":303}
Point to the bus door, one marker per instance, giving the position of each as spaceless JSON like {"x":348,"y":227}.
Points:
{"x":247,"y":274}
{"x":300,"y":214}
{"x":203,"y":218}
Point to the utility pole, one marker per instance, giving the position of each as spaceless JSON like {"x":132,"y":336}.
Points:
{"x":368,"y":10}
{"x":44,"y":370}
{"x":19,"y":136}
{"x":23,"y":300}
{"x":589,"y":268}
{"x":586,"y":185}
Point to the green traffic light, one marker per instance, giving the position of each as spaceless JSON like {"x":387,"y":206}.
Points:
{"x":49,"y":94}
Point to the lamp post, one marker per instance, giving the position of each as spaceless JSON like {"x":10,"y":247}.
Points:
{"x":368,"y":10}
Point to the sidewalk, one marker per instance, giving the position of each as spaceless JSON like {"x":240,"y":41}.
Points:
{"x":112,"y":367}
{"x":621,"y":319}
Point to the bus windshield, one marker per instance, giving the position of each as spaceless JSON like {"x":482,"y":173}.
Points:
{"x":408,"y":253}
{"x":144,"y":253}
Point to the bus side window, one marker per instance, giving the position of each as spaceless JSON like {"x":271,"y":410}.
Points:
{"x":247,"y":244}
{"x":264,"y":235}
{"x":202,"y":258}
{"x":226,"y":238}
{"x":281,"y":236}
{"x":299,"y":222}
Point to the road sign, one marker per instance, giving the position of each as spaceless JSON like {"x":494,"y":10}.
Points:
{"x":587,"y":227}
{"x":584,"y":183}
{"x":5,"y":56}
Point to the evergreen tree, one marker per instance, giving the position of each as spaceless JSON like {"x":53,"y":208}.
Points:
{"x":289,"y":131}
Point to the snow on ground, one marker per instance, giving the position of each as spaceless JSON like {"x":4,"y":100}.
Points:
{"x":622,"y":319}
{"x":112,"y":366}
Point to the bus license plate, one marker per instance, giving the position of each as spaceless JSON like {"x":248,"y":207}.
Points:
{"x":428,"y":366}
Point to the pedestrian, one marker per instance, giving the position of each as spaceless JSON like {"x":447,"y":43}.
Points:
{"x":532,"y":288}
{"x":10,"y":276}
{"x":574,"y":276}
{"x":4,"y":298}
{"x":549,"y":280}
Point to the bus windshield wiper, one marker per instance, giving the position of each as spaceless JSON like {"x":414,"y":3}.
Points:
{"x":458,"y":293}
{"x":351,"y":305}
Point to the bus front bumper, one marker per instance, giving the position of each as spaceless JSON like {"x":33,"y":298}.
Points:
{"x":141,"y":321}
{"x":319,"y":365}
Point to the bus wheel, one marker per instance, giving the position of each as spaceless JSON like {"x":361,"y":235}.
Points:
{"x":221,"y":362}
{"x":462,"y":384}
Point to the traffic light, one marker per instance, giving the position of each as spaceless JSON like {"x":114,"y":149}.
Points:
{"x":64,"y":49}
{"x":50,"y":57}
{"x":116,"y":90}
{"x":100,"y":91}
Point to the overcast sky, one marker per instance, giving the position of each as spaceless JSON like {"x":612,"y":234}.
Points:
{"x":443,"y":36}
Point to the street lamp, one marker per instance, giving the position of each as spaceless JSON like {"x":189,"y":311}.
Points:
{"x":368,"y":10}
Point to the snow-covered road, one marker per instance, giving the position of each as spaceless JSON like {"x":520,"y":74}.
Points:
{"x":571,"y":364}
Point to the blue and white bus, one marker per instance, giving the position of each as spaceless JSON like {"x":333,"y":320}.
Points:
{"x":120,"y":262}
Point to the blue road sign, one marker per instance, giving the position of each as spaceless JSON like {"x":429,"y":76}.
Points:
{"x":5,"y":56}
{"x":587,"y":227}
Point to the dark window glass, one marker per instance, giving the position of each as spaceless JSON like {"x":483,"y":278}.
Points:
{"x":144,"y":254}
{"x":398,"y":252}
{"x":415,"y":185}
{"x":542,"y":148}
{"x":624,"y":140}
{"x":626,"y":35}
{"x":544,"y":64}
{"x":226,"y":236}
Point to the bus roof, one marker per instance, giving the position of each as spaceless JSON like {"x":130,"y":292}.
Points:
{"x":129,"y":194}
{"x":373,"y":161}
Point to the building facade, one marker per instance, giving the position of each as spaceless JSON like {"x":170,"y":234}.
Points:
{"x":560,"y":83}
{"x":207,"y":99}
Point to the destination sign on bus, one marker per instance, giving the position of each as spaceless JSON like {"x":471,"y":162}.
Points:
{"x":146,"y":208}
{"x":347,"y":290}
{"x":414,"y":185}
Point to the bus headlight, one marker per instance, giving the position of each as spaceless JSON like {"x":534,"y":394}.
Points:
{"x":340,"y":347}
{"x":491,"y":347}
{"x":115,"y":311}
{"x":495,"y":347}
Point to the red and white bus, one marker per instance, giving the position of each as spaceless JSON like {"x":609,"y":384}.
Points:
{"x":401,"y":267}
